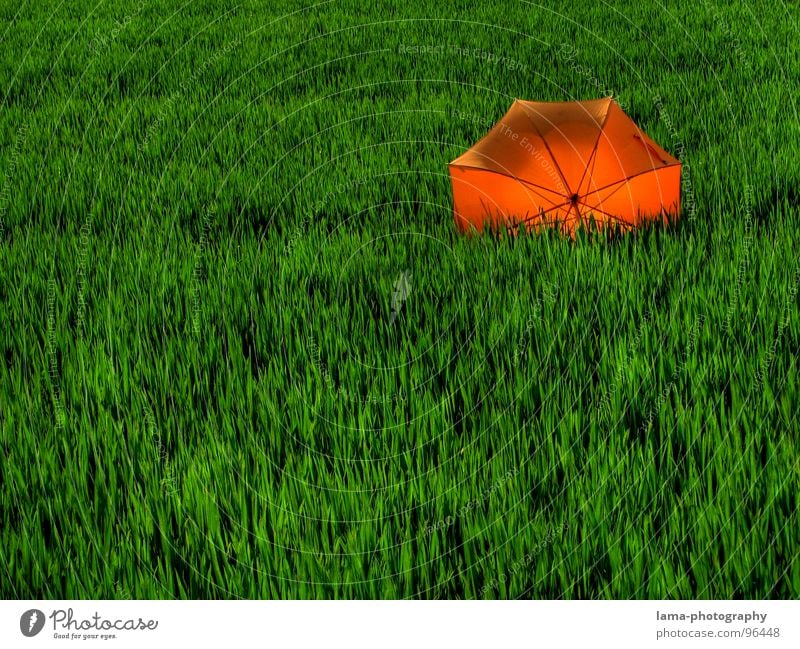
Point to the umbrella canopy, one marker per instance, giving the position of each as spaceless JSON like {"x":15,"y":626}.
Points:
{"x":548,"y":163}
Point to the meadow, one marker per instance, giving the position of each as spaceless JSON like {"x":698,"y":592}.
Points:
{"x":247,"y":354}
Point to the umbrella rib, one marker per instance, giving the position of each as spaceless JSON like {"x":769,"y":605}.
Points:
{"x":508,"y":175}
{"x":632,"y":176}
{"x":539,"y":215}
{"x":596,"y":144}
{"x":605,"y":198}
{"x":591,"y":173}
{"x":592,"y":159}
{"x":541,"y":195}
{"x":552,"y":157}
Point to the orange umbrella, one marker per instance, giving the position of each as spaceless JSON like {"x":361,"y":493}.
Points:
{"x":559,"y":163}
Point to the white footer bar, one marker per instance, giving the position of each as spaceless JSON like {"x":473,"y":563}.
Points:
{"x":352,"y":625}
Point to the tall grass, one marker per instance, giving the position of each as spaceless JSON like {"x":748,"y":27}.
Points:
{"x":205,"y":392}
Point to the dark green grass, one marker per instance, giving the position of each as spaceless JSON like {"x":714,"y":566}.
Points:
{"x":204,"y":393}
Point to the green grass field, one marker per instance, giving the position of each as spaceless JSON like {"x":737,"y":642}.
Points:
{"x":212,"y":386}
